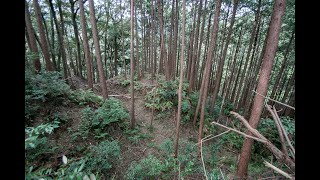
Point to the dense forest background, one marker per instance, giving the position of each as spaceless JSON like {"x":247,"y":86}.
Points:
{"x":186,"y":68}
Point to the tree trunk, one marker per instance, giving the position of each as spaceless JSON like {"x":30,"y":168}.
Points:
{"x":43,"y":38}
{"x":163,"y":61}
{"x":180,"y":81}
{"x":86,"y":45}
{"x":221,"y":64}
{"x":61,"y":40}
{"x":193,"y":69}
{"x":76,"y":34}
{"x":102,"y":77}
{"x":32,"y":41}
{"x":208,"y":68}
{"x":137,"y":44}
{"x":268,"y":58}
{"x":133,"y":121}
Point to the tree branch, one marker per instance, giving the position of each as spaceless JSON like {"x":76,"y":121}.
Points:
{"x":279,"y":154}
{"x":280,"y":131}
{"x":239,"y":132}
{"x":284,"y":132}
{"x":274,"y":100}
{"x":278,"y":170}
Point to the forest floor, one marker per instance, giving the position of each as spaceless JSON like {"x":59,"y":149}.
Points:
{"x":138,"y":147}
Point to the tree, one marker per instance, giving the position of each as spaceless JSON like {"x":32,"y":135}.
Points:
{"x":97,"y":50}
{"x":32,"y":40}
{"x":132,"y":63}
{"x":208,"y":67}
{"x":43,"y":38}
{"x":181,"y":80}
{"x":76,"y":34}
{"x":86,"y":45}
{"x":267,"y":62}
{"x":222,"y":60}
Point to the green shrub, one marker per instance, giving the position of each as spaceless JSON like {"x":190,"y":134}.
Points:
{"x":148,"y":168}
{"x":102,"y":157}
{"x":85,"y":97}
{"x":36,"y":142}
{"x":41,"y":88}
{"x":96,"y":121}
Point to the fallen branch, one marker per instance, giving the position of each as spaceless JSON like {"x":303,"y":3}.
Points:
{"x":284,"y":132}
{"x":274,"y":100}
{"x":239,"y":132}
{"x":279,"y":154}
{"x":278,"y":170}
{"x":204,"y":167}
{"x":114,"y":95}
{"x":280,"y":130}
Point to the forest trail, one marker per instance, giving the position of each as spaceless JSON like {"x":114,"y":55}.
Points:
{"x":147,"y":141}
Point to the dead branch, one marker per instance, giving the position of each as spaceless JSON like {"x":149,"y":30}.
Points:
{"x":204,"y":167}
{"x":280,"y":131}
{"x":278,"y":170}
{"x":279,"y":154}
{"x":274,"y":100}
{"x":284,"y":132}
{"x":114,"y":95}
{"x":239,"y":132}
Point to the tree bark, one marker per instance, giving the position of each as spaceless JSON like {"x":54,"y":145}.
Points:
{"x":76,"y":34}
{"x":181,"y":80}
{"x":43,"y":38}
{"x":268,"y":58}
{"x":97,"y":50}
{"x":86,"y":45}
{"x":208,"y":67}
{"x":133,"y":121}
{"x":32,"y":41}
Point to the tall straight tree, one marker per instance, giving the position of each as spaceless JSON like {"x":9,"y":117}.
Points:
{"x":97,"y":50}
{"x":267,"y":62}
{"x":86,"y":45}
{"x":76,"y":34}
{"x":133,"y":121}
{"x":163,"y":61}
{"x":43,"y":38}
{"x":208,"y":67}
{"x":60,"y":31}
{"x":181,"y":80}
{"x":222,"y":60}
{"x":32,"y":45}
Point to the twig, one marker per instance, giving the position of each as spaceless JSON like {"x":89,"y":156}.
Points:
{"x":179,"y":170}
{"x":261,"y":140}
{"x":213,"y":136}
{"x":278,"y":170}
{"x":274,"y":100}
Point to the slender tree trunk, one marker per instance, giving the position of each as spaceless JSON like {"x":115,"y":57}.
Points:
{"x":137,"y":44}
{"x":76,"y":34}
{"x":268,"y":58}
{"x":163,"y":61}
{"x":97,"y":50}
{"x":280,"y":73}
{"x":53,"y":51}
{"x":60,"y":31}
{"x":208,"y":68}
{"x":32,"y":41}
{"x":43,"y":38}
{"x":133,"y":121}
{"x":86,"y":45}
{"x":193,"y":61}
{"x":180,"y":81}
{"x":221,"y":64}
